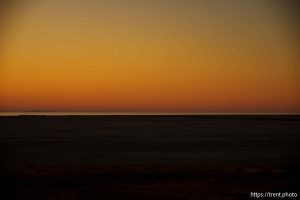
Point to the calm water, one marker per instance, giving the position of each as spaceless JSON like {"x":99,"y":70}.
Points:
{"x":251,"y":140}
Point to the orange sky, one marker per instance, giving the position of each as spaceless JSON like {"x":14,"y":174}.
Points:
{"x":149,"y":56}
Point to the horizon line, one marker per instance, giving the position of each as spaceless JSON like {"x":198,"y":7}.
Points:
{"x":97,"y":113}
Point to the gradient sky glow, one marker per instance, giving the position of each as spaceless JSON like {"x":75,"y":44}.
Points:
{"x":150,"y":56}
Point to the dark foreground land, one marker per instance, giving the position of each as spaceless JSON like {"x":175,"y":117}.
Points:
{"x":148,"y":157}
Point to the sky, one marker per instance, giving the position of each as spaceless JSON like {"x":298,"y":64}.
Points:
{"x":150,"y":56}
